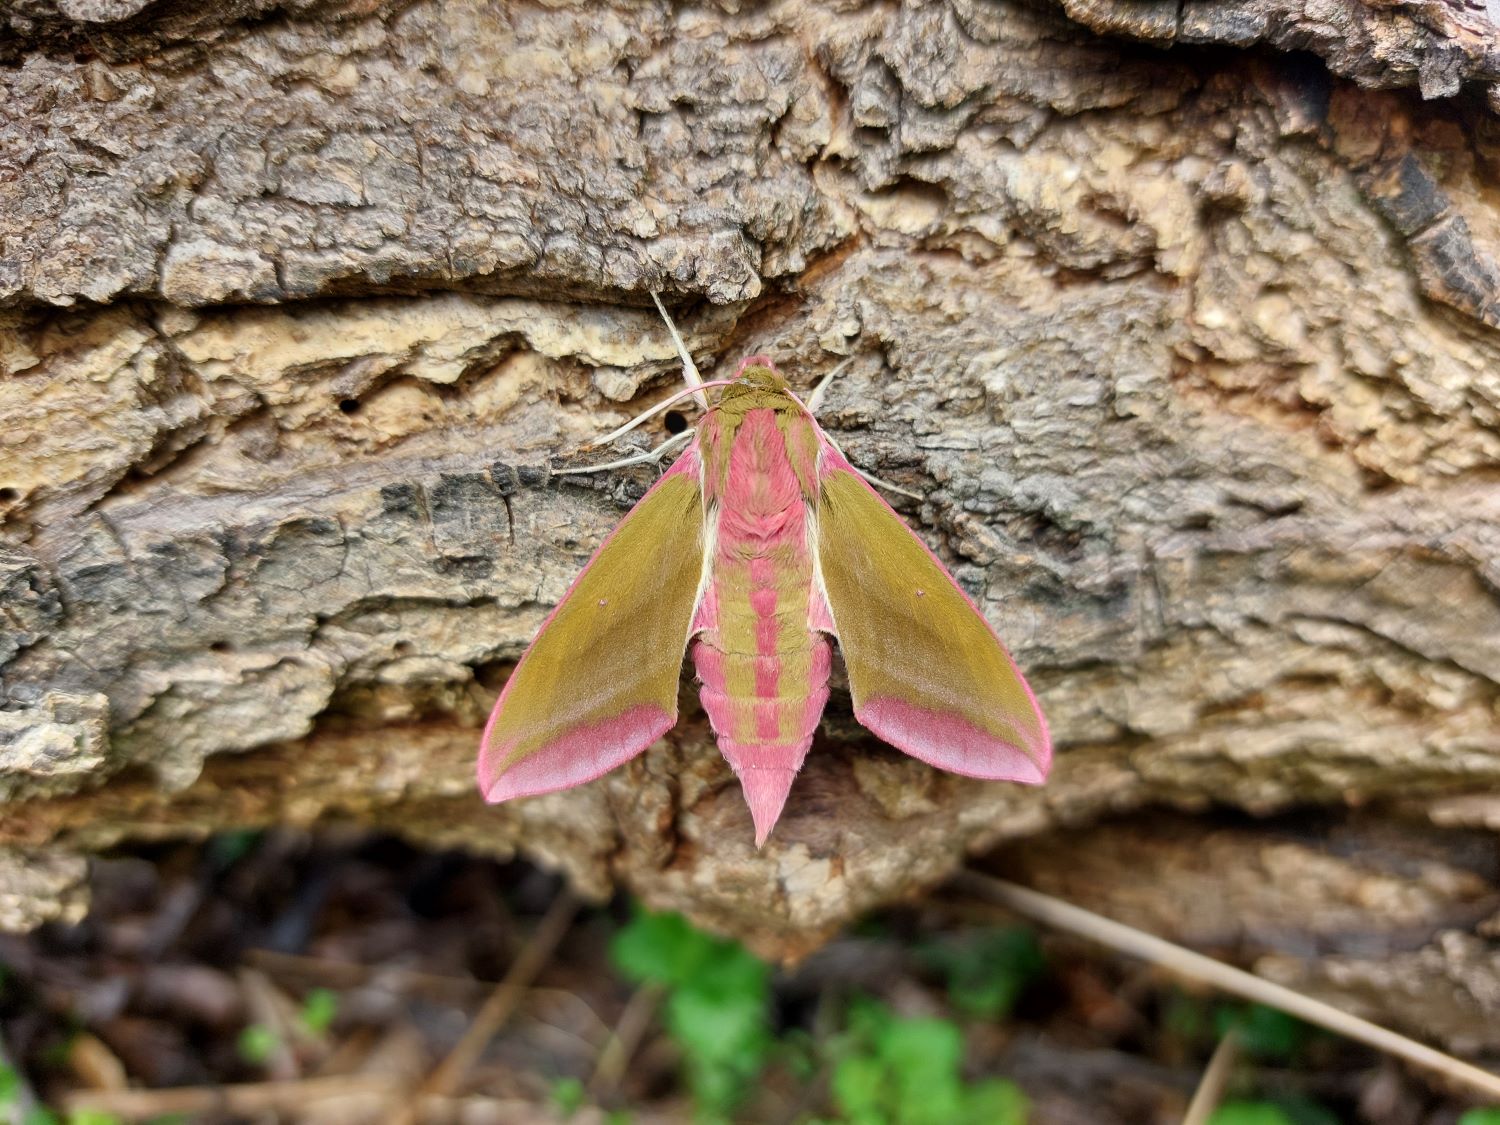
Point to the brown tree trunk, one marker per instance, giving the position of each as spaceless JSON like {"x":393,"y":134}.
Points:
{"x":1182,"y":317}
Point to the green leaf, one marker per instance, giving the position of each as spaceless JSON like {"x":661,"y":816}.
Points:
{"x":714,"y":1027}
{"x":256,"y":1044}
{"x":1250,"y":1113}
{"x":1304,"y":1111}
{"x":922,"y":1048}
{"x":660,"y":948}
{"x":797,"y":1051}
{"x":859,"y":1089}
{"x":897,"y":1071}
{"x":57,"y":1052}
{"x":1266,"y":1033}
{"x":10,"y":1085}
{"x":319,"y":1007}
{"x":92,"y":1117}
{"x":1480,"y":1117}
{"x":724,"y":1046}
{"x":718,"y":995}
{"x":228,"y":848}
{"x":987,"y":971}
{"x":995,"y":1101}
{"x":568,"y":1096}
{"x":41,"y":1115}
{"x":1187,"y":1019}
{"x":923,"y":1057}
{"x":867,"y":1019}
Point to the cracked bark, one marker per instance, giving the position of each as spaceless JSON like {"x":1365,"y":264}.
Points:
{"x":1192,"y":353}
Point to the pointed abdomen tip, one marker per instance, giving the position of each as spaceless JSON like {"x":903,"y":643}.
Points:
{"x":765,"y":792}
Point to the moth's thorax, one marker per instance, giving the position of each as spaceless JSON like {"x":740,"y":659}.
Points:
{"x":761,"y":499}
{"x":784,"y":438}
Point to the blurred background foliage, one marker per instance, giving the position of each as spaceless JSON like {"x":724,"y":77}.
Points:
{"x":272,"y":962}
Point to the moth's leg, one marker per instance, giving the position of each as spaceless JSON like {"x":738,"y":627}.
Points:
{"x":885,"y":484}
{"x":649,"y":455}
{"x":689,"y":368}
{"x":815,"y":399}
{"x":876,"y":481}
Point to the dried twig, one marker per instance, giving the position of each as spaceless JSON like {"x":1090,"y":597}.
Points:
{"x":1195,"y":966}
{"x":498,"y":1009}
{"x":624,"y":1040}
{"x":349,"y":974}
{"x":95,"y":1065}
{"x":401,"y":979}
{"x":1210,"y":1089}
{"x":261,"y":998}
{"x":246,"y":1100}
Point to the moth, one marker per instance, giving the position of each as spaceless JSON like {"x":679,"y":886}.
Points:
{"x":758,"y":547}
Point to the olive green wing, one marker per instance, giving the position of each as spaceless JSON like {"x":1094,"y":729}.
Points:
{"x":599,"y":683}
{"x":927,"y":672}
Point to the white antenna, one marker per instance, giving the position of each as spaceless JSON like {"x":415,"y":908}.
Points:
{"x":689,"y":368}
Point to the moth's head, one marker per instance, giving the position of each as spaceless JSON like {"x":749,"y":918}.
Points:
{"x":758,"y":371}
{"x":757,"y":385}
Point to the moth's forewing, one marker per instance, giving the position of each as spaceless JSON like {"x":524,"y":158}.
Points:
{"x":927,"y":673}
{"x":599,"y":683}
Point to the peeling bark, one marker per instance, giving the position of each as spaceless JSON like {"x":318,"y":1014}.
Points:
{"x":1192,"y":353}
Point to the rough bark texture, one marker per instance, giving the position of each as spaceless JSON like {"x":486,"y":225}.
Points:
{"x":1191,"y":351}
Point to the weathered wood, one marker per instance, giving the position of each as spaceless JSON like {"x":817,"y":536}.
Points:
{"x":1193,"y":355}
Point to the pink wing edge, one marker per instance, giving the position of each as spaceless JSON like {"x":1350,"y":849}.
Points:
{"x":940,"y":738}
{"x":584,"y":752}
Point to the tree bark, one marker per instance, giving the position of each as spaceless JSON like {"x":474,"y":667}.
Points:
{"x":1192,"y":353}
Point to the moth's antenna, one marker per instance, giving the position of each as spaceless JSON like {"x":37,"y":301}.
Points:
{"x":635,"y":459}
{"x":657,"y":409}
{"x":689,"y":368}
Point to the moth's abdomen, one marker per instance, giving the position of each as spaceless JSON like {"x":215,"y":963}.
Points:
{"x":758,"y":701}
{"x":764,"y":708}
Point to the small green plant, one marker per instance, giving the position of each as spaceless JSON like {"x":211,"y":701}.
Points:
{"x":897,"y":1071}
{"x":228,"y":848}
{"x":1293,"y":1110}
{"x":257,"y":1043}
{"x":568,"y":1096}
{"x":987,"y":971}
{"x":1481,"y":1117}
{"x":796,"y":1052}
{"x":319,"y":1007}
{"x":10,"y":1094}
{"x":1266,"y":1033}
{"x":1187,"y":1019}
{"x":717,"y":997}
